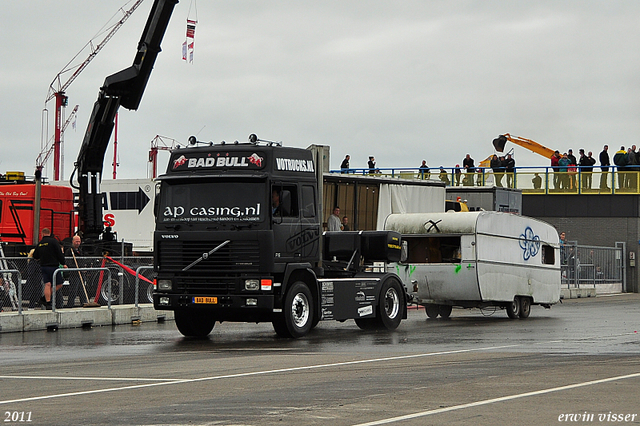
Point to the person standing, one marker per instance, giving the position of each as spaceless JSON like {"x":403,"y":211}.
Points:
{"x":632,"y":175}
{"x":470,"y":170}
{"x":344,"y":166}
{"x":345,"y":224}
{"x":621,"y":159}
{"x":372,"y":165}
{"x":425,"y":172}
{"x":555,"y":160}
{"x":444,"y":177}
{"x":74,"y":252}
{"x":605,"y":162}
{"x":51,"y":257}
{"x":458,"y":174}
{"x":333,"y":223}
{"x":496,"y":166}
{"x":572,"y":170}
{"x":586,"y":169}
{"x":510,"y":168}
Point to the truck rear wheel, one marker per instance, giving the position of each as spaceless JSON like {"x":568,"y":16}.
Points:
{"x":391,"y":304}
{"x":525,"y":307}
{"x":297,"y":314}
{"x":513,"y":308}
{"x":194,"y":324}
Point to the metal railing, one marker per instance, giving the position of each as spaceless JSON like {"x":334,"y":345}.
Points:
{"x":531,"y":180}
{"x":22,"y":285}
{"x":591,"y":266}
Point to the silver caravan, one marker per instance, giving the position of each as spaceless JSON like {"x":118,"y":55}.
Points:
{"x":478,"y":260}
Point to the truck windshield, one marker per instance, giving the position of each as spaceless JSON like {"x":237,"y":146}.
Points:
{"x":207,"y":202}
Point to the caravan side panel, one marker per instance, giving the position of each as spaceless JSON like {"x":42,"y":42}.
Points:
{"x":517,"y":256}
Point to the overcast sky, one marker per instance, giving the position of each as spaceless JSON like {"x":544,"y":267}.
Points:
{"x":400,"y":80}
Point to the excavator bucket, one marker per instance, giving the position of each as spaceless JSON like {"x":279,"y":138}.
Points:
{"x":499,"y":143}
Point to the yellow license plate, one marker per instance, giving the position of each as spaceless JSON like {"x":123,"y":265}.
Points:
{"x":206,"y":300}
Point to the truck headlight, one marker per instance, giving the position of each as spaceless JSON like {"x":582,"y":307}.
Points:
{"x":164,"y":285}
{"x":252,"y":285}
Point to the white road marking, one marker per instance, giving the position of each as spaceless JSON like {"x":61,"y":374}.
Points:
{"x":253,"y":373}
{"x":95,"y":379}
{"x":495,"y":400}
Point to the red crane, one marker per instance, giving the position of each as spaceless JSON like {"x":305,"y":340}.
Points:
{"x":160,"y":143}
{"x":57,"y":88}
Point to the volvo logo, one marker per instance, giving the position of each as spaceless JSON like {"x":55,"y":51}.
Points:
{"x":169,"y":236}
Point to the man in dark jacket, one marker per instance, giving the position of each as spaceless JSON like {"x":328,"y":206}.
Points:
{"x":75,"y":280}
{"x":510,"y":168}
{"x":50,"y":255}
{"x":605,"y":162}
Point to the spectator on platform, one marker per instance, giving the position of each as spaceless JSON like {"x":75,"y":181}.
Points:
{"x":344,"y":166}
{"x":425,"y":172}
{"x":604,"y":167}
{"x":444,"y":176}
{"x":496,"y":166}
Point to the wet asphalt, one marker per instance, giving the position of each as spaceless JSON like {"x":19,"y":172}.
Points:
{"x":581,"y":357}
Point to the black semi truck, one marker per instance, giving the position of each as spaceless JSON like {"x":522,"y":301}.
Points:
{"x":239,"y":238}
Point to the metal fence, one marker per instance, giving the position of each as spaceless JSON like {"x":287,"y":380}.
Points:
{"x":21,"y":283}
{"x":591,"y":266}
{"x":531,"y":180}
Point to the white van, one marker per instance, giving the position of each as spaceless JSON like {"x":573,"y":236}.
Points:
{"x":478,"y":260}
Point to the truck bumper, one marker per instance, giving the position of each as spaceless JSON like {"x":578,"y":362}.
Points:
{"x":246,"y":307}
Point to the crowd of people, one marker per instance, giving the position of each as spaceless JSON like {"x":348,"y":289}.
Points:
{"x":566,"y":164}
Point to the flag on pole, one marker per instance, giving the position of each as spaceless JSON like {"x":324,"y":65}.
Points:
{"x":188,"y":45}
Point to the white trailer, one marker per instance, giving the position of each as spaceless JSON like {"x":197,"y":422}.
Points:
{"x":478,"y":260}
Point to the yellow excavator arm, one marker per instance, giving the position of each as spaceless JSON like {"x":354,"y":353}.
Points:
{"x":532,"y":146}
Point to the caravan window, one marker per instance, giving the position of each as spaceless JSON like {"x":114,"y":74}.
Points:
{"x":548,"y":255}
{"x":433,"y":249}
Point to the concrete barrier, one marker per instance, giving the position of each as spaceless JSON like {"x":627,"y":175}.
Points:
{"x":32,"y":320}
{"x":577,"y":293}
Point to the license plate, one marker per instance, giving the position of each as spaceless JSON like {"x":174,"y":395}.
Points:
{"x":206,"y":300}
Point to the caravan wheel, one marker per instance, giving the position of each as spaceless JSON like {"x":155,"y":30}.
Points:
{"x":513,"y":308}
{"x":525,"y":307}
{"x":445,"y":311}
{"x":432,"y":310}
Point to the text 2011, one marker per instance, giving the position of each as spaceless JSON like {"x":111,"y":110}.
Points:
{"x":17,"y":416}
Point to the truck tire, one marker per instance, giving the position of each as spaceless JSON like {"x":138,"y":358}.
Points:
{"x":525,"y":307}
{"x":391,"y":304}
{"x":297,"y":313}
{"x":432,"y":310}
{"x":445,"y":311}
{"x":194,"y":324}
{"x":367,"y":323}
{"x":513,"y":308}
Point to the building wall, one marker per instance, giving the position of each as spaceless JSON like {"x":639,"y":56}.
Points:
{"x":598,"y":220}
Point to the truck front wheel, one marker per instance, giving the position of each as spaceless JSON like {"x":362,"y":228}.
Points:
{"x":194,"y":324}
{"x":297,"y":314}
{"x":391,"y":304}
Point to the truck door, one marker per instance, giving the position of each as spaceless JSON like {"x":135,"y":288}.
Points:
{"x":285,"y":216}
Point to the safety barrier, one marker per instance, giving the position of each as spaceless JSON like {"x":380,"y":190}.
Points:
{"x":601,"y":268}
{"x":531,"y":180}
{"x":107,"y":282}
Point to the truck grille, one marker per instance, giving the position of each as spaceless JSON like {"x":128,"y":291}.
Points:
{"x":237,"y":256}
{"x":203,"y":285}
